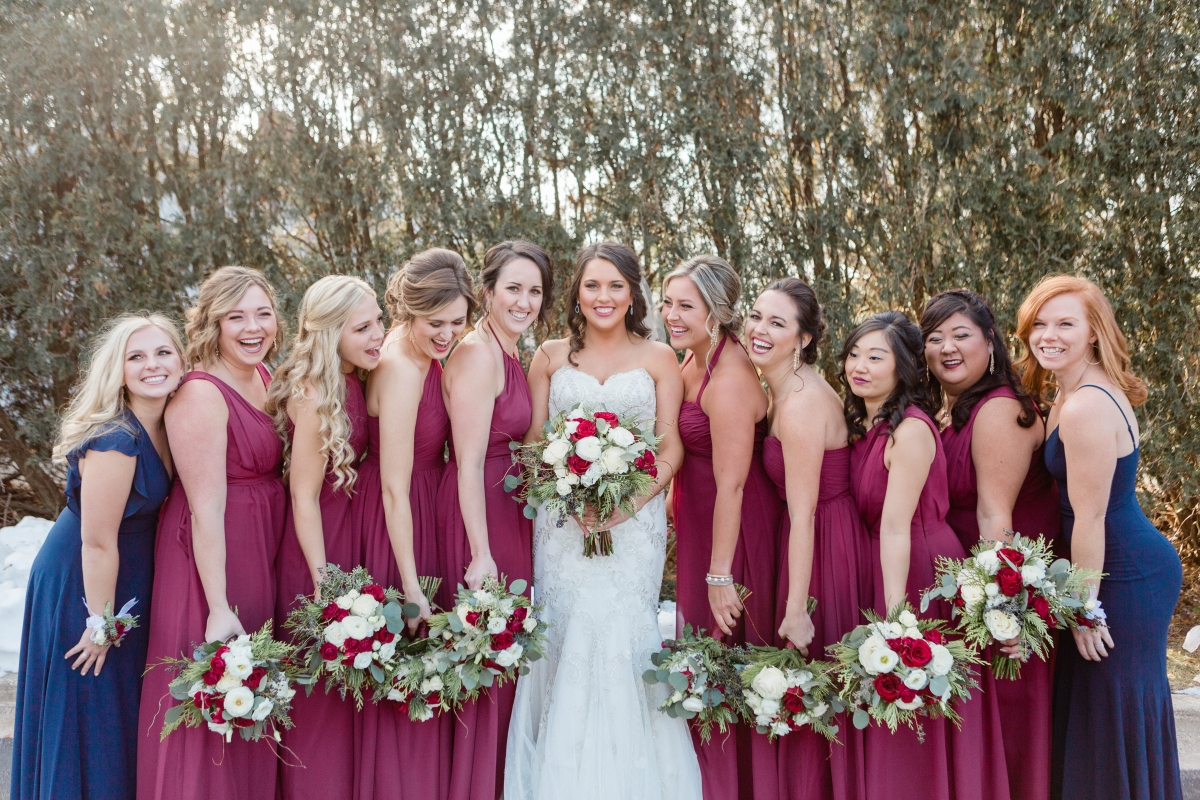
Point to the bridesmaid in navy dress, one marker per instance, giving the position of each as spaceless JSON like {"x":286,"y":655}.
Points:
{"x":76,"y":733}
{"x":1114,"y":729}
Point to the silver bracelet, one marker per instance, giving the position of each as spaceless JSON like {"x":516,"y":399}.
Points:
{"x":718,"y":580}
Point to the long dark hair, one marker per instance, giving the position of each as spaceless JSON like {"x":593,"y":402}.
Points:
{"x":626,"y":262}
{"x":939,"y":309}
{"x":904,"y":338}
{"x":501,"y":255}
{"x":808,"y":313}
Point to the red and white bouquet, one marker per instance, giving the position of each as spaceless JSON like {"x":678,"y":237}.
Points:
{"x":588,"y":459}
{"x":784,"y":692}
{"x":894,"y":670}
{"x":702,"y":675}
{"x":243,"y":685}
{"x":423,"y":680}
{"x":1012,"y":591}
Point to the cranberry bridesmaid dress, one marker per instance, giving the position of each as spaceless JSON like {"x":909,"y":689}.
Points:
{"x":399,"y":758}
{"x":841,"y":583}
{"x":195,"y":763}
{"x":321,"y":763}
{"x":740,"y":764}
{"x":481,"y":728}
{"x":951,"y":763}
{"x":1025,"y":703}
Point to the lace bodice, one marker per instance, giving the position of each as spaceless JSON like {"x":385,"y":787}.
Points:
{"x":630,"y":395}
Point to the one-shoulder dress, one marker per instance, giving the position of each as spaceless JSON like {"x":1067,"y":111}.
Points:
{"x":481,"y":727}
{"x":76,"y":736}
{"x":1025,"y":703}
{"x":740,"y":764}
{"x":195,"y":763}
{"x":399,"y":758}
{"x":1114,"y":727}
{"x":950,"y":763}
{"x":841,"y":583}
{"x":321,"y":764}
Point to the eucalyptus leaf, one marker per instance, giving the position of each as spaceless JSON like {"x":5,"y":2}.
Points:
{"x":861,"y":719}
{"x":518,"y":586}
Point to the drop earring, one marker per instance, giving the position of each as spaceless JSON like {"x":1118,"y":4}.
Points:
{"x":712,"y":340}
{"x":796,"y":360}
{"x":577,"y":308}
{"x":992,"y":363}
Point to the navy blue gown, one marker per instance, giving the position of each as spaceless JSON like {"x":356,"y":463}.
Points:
{"x":1114,"y":730}
{"x":76,"y":737}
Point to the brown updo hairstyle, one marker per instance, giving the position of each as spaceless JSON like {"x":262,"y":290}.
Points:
{"x":808,"y":314}
{"x":218,"y":295}
{"x":427,"y":283}
{"x":625,"y":260}
{"x":501,"y":255}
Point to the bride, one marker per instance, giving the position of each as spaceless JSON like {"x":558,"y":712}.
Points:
{"x":584,"y":724}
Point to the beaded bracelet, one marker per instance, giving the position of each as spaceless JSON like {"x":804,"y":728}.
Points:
{"x":718,"y":580}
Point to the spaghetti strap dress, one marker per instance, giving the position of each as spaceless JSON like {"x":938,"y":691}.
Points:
{"x":951,"y":763}
{"x":1025,"y":704}
{"x":195,"y":763}
{"x":740,"y":763}
{"x":399,"y":758}
{"x":1114,"y":727}
{"x":76,"y":737}
{"x":809,"y":765}
{"x":321,"y":763}
{"x":481,"y":727}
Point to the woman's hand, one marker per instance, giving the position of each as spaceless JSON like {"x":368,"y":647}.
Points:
{"x":480,"y":566}
{"x":222,"y":625}
{"x":1012,"y":648}
{"x":726,"y":607}
{"x":797,"y":628}
{"x":88,"y":653}
{"x":418,"y":599}
{"x":1093,"y":643}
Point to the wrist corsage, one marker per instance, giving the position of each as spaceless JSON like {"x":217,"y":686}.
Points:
{"x":1091,"y":615}
{"x":111,"y":628}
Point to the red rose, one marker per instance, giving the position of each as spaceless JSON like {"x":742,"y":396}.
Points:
{"x":1041,"y":607}
{"x":472,"y":617}
{"x":211,"y":678}
{"x":793,"y":700}
{"x":958,"y":601}
{"x":519,"y":613}
{"x":918,"y":653}
{"x":217,"y":665}
{"x":222,"y":650}
{"x":502,"y":640}
{"x":577,"y":465}
{"x":120,"y":626}
{"x":514,"y":625}
{"x":330,"y":611}
{"x":1012,"y":555}
{"x":1009,"y":581}
{"x":202,"y":699}
{"x":888,"y":686}
{"x":383,"y":636}
{"x":652,"y":471}
{"x":329,"y":652}
{"x":608,"y":417}
{"x":375,"y":590}
{"x":217,"y":716}
{"x":899,"y":646}
{"x":434,"y":698}
{"x":906,"y":694}
{"x":242,"y":722}
{"x":583,"y":429}
{"x":256,"y":676}
{"x":935,"y":637}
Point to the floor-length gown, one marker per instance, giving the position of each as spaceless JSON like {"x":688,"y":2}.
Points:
{"x":321,"y":764}
{"x":809,"y":765}
{"x":399,"y":758}
{"x":195,"y":763}
{"x":741,"y":763}
{"x":950,"y":763}
{"x":585,"y":725}
{"x":76,"y":736}
{"x":1024,"y":703}
{"x":1114,"y":727}
{"x":481,"y":727}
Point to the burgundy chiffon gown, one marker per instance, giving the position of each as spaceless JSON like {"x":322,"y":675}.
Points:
{"x":740,"y":764}
{"x":841,"y":583}
{"x":481,"y":728}
{"x":951,"y":764}
{"x":321,"y":763}
{"x":1026,"y":703}
{"x":399,"y":758}
{"x":195,"y":763}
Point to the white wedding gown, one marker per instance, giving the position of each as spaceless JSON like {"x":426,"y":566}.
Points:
{"x":584,"y":725}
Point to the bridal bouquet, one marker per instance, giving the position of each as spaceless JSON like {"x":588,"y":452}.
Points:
{"x":1012,"y":591}
{"x":702,"y":674}
{"x":244,"y":685}
{"x":784,"y":692}
{"x":491,"y":635}
{"x":896,"y":669}
{"x":588,"y":458}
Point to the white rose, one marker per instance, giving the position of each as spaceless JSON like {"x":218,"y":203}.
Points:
{"x":387,"y":651}
{"x":770,"y":683}
{"x":866,"y":649}
{"x":563,"y":487}
{"x":991,"y":590}
{"x":496,"y":623}
{"x":908,"y":619}
{"x":345,"y":601}
{"x":882,"y":660}
{"x":780,"y":728}
{"x":238,"y":666}
{"x":988,"y":561}
{"x":435,"y":684}
{"x":573,"y":479}
{"x":916,"y":703}
{"x":972,"y":595}
{"x":364,"y":605}
{"x":594,"y":473}
{"x":241,"y":647}
{"x":529,"y":624}
{"x":754,"y":701}
{"x":942,"y":661}
{"x":363,"y":660}
{"x":766,"y":720}
{"x":239,"y":702}
{"x":769,"y":707}
{"x":356,"y":627}
{"x":613,"y":461}
{"x":262,"y":710}
{"x":556,"y":452}
{"x":620,"y":437}
{"x":395,"y":696}
{"x":227,"y":683}
{"x":1034,"y":572}
{"x":896,"y":629}
{"x":484,"y":597}
{"x":588,"y":448}
{"x":819,"y":710}
{"x":516,"y":651}
{"x":913,"y":633}
{"x":424,"y":714}
{"x":916,"y":679}
{"x":1001,"y":625}
{"x":505,"y":659}
{"x":224,"y":728}
{"x":577,"y":413}
{"x":693,"y":704}
{"x":335,"y":634}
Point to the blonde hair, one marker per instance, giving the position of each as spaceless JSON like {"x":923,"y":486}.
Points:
{"x":1109,"y":349}
{"x":313,"y":361}
{"x":99,"y":400}
{"x":218,"y":295}
{"x":719,"y":287}
{"x":427,"y":283}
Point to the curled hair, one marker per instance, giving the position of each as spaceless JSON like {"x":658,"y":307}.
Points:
{"x":218,"y":295}
{"x":501,"y":255}
{"x":626,"y":261}
{"x":313,"y":371}
{"x":960,"y":301}
{"x":808,"y":314}
{"x":904,"y":339}
{"x":1110,"y":348}
{"x":427,"y":283}
{"x":99,"y":400}
{"x":719,"y":287}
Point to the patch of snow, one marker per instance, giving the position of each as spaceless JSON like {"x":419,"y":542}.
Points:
{"x":1192,"y":690}
{"x":19,"y":545}
{"x":666,"y":619}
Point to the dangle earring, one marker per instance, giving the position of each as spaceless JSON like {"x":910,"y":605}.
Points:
{"x":796,"y":360}
{"x":992,"y":363}
{"x":712,"y":340}
{"x":577,"y":308}
{"x":630,"y":311}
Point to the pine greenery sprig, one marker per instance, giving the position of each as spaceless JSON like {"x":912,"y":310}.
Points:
{"x":703,"y":677}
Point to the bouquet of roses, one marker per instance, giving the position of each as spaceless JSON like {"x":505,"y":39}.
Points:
{"x":896,"y":669}
{"x":1012,"y":591}
{"x":784,"y":692}
{"x":587,"y":459}
{"x":702,"y":674}
{"x":423,"y":680}
{"x":245,"y":684}
{"x":491,"y":635}
{"x":109,"y":628}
